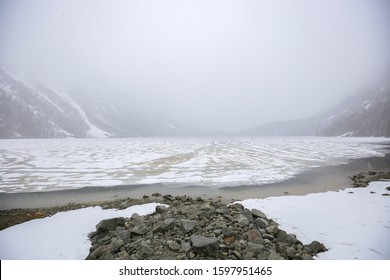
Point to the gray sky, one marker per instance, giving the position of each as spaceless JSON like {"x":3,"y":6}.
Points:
{"x":225,"y":65}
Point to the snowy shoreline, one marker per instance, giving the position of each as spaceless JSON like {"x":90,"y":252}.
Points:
{"x":353,"y":224}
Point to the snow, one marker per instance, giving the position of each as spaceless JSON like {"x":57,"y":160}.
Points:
{"x":352,"y":224}
{"x":60,"y":164}
{"x":94,"y":131}
{"x":62,"y":236}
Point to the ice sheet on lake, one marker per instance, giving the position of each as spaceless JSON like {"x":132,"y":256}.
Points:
{"x":56,"y":164}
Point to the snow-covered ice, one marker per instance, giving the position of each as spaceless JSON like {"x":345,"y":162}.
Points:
{"x":62,"y":236}
{"x":353,"y":223}
{"x":58,"y":164}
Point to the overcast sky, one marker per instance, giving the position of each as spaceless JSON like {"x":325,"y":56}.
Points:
{"x":224,"y":65}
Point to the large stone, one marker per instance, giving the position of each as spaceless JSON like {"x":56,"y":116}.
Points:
{"x":188,"y":225}
{"x":282,"y":236}
{"x":261,"y":223}
{"x":222,"y":210}
{"x":186,"y":246}
{"x":140,"y":229}
{"x":109,"y":224}
{"x":236,"y":206}
{"x":255,"y":247}
{"x":254,"y":235}
{"x":144,"y":250}
{"x":168,"y":224}
{"x":161,"y":209}
{"x":248,"y":214}
{"x":272,"y":229}
{"x":258,"y":214}
{"x":116,"y":244}
{"x":317,"y":247}
{"x":173,"y":245}
{"x":205,"y":245}
{"x":243,"y":220}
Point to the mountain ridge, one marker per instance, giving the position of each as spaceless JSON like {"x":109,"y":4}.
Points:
{"x":363,"y":114}
{"x":37,"y":109}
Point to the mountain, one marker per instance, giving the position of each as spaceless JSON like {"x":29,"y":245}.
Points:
{"x":34,"y":108}
{"x":364,"y":114}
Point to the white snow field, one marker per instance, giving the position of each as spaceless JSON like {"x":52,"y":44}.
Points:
{"x":63,"y":236}
{"x":353,"y":223}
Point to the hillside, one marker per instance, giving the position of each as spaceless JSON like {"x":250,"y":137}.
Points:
{"x":362,"y":114}
{"x":34,"y":108}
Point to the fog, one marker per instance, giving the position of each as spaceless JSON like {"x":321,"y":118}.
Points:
{"x":215,"y":65}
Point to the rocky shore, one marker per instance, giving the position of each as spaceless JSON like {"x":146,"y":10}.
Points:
{"x":187,"y":228}
{"x":362,"y":179}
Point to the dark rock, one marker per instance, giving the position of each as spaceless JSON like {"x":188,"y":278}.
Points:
{"x":255,"y":247}
{"x":258,"y":214}
{"x":236,"y":206}
{"x":161,"y":209}
{"x":186,"y":246}
{"x":140,"y":229}
{"x":168,"y":224}
{"x":109,"y":224}
{"x":223,"y":211}
{"x":237,"y":255}
{"x":248,"y":214}
{"x":169,"y":197}
{"x":268,"y":236}
{"x":144,"y":250}
{"x":282,"y":236}
{"x":188,"y":225}
{"x":243,"y":220}
{"x":254,"y":235}
{"x":173,"y":245}
{"x":116,"y":244}
{"x":261,"y":222}
{"x":205,"y":245}
{"x":317,"y":247}
{"x":272,"y":229}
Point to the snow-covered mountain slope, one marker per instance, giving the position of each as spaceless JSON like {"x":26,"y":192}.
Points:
{"x":30,"y":112}
{"x":362,"y":114}
{"x":366,"y":114}
{"x":36,"y":108}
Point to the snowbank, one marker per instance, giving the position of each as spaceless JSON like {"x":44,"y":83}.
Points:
{"x":62,"y":236}
{"x":353,"y":223}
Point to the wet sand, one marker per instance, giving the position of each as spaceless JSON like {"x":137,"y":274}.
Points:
{"x":321,"y":179}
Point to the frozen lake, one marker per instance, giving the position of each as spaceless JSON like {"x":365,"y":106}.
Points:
{"x":60,"y":164}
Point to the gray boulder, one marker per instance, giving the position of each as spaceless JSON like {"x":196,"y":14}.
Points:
{"x":205,"y":245}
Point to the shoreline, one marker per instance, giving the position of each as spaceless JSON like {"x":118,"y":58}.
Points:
{"x":21,"y":207}
{"x":315,"y":180}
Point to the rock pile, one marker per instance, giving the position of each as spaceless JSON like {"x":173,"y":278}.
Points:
{"x":197,"y":229}
{"x":362,"y":179}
